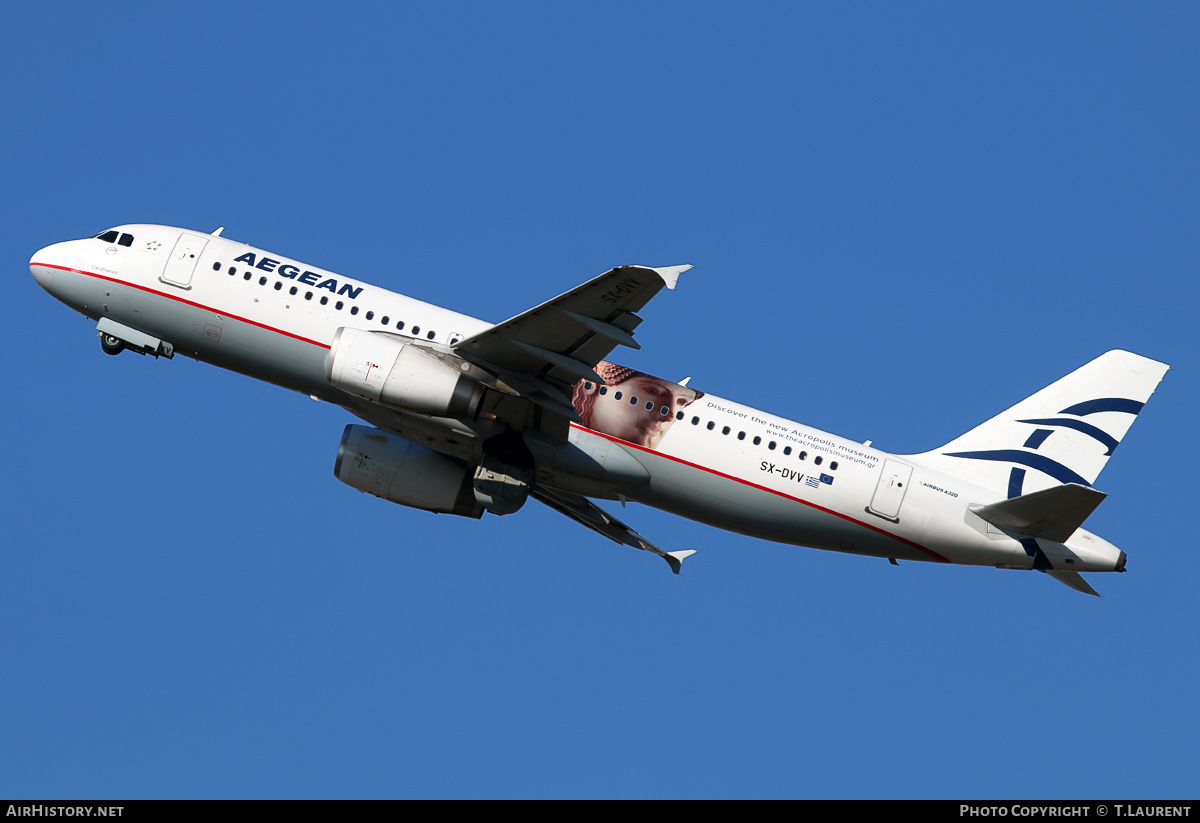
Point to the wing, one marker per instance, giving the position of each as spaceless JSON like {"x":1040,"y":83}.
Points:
{"x":587,"y":513}
{"x":542,"y":353}
{"x":529,"y":366}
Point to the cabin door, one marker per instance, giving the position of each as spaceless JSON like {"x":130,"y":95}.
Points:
{"x":890,"y":490}
{"x":181,"y":265}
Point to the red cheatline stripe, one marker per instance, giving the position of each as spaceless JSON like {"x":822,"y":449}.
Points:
{"x":785,"y":495}
{"x":179,"y":299}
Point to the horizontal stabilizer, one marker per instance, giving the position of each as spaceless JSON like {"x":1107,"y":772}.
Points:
{"x":1074,"y":580}
{"x":1053,"y":514}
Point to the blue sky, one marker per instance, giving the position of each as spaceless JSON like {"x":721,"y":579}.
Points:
{"x":903,"y":217}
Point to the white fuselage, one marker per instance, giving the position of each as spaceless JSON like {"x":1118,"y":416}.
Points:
{"x":721,"y":463}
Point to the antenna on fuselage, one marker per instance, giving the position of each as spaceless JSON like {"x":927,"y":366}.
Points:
{"x":217,"y":233}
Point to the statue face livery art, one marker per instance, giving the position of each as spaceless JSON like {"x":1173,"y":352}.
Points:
{"x":632,"y":406}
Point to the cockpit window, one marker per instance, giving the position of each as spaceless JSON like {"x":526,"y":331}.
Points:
{"x":114,"y":236}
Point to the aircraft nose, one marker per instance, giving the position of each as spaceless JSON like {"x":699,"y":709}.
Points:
{"x":40,"y":273}
{"x":41,"y":265}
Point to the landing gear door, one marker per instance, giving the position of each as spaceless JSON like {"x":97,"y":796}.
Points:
{"x":889,"y":491}
{"x":182,"y":262}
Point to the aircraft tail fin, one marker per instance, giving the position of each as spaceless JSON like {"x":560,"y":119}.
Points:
{"x":1064,"y":434}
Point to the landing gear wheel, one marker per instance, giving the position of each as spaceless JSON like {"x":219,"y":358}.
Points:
{"x":111,"y":345}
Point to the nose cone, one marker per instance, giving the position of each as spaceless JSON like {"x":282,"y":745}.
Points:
{"x":45,"y":261}
{"x":38,"y":268}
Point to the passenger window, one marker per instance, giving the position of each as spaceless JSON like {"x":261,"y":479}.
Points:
{"x":803,"y":455}
{"x":416,"y":330}
{"x":633,"y":401}
{"x":711,"y":425}
{"x":617,"y":396}
{"x":604,"y":389}
{"x":247,"y":275}
{"x":354,"y":309}
{"x":262,"y":281}
{"x":695,"y":421}
{"x":431,"y":335}
{"x":399,"y":325}
{"x":308,"y":295}
{"x":293,"y":290}
{"x":678,"y":415}
{"x":817,"y":460}
{"x":370,"y":315}
{"x":833,"y":466}
{"x":324,"y":300}
{"x":757,"y":439}
{"x":771,"y":445}
{"x":278,"y":285}
{"x":741,"y":435}
{"x":232,"y":270}
{"x":338,"y":305}
{"x":384,"y":321}
{"x":787,"y":449}
{"x":217,"y":267}
{"x":725,"y":430}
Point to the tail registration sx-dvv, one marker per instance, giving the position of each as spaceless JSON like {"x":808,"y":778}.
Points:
{"x":467,"y":417}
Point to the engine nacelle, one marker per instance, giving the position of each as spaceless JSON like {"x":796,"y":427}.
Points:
{"x":391,"y":371}
{"x":378,"y":463}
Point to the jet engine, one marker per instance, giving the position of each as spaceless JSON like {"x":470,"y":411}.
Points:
{"x":378,"y":463}
{"x":392,"y":371}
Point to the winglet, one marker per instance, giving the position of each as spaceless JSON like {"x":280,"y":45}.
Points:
{"x":670,"y":274}
{"x":675,"y":559}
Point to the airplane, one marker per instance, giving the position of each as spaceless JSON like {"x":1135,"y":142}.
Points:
{"x":466,"y":417}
